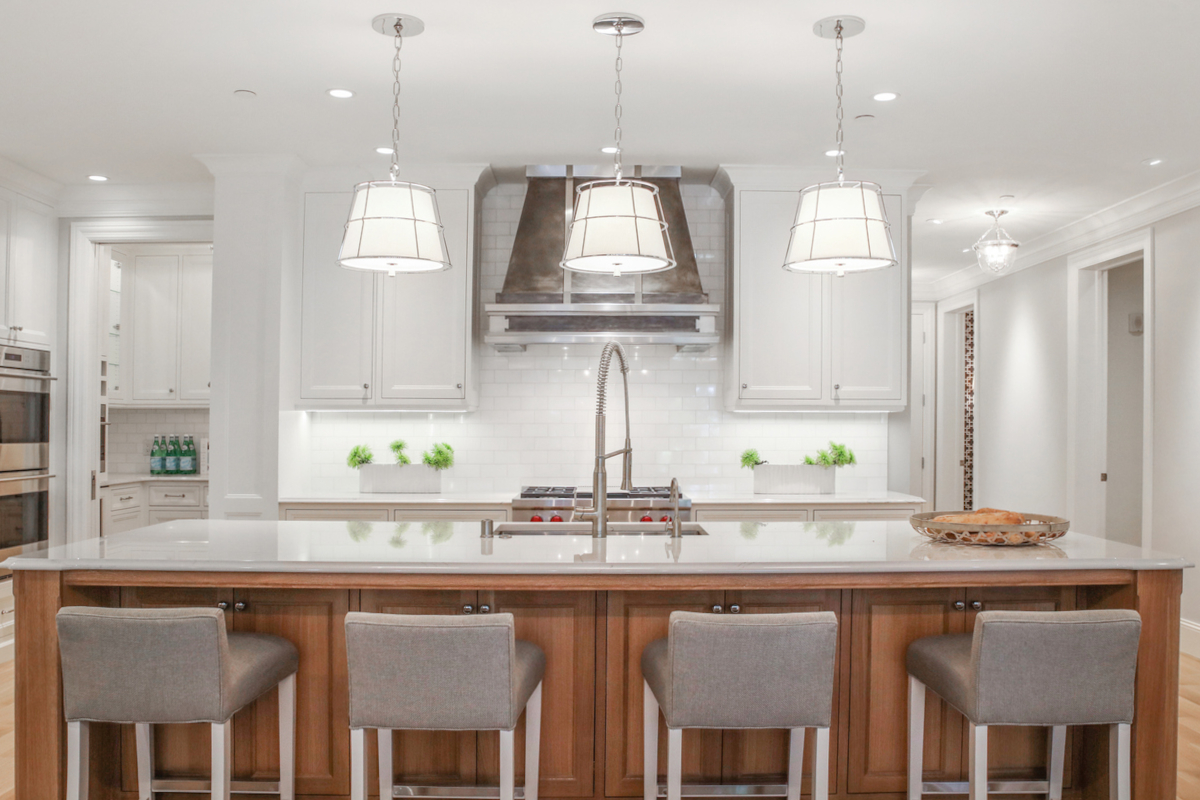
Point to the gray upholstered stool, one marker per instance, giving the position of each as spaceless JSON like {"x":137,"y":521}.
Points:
{"x":751,"y":671}
{"x":443,"y":673}
{"x":1050,"y":669}
{"x":152,"y":666}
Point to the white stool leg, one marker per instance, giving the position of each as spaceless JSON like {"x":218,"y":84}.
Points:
{"x":143,"y":734}
{"x":674,"y":763}
{"x":386,"y":775}
{"x":508,"y":767}
{"x":795,"y":762}
{"x":978,"y":767}
{"x":222,"y":750}
{"x":649,"y":743}
{"x":1120,"y":786}
{"x":77,"y":760}
{"x":287,"y":738}
{"x":533,"y":742}
{"x":1058,"y":758}
{"x":358,"y":764}
{"x":916,"y":738}
{"x":821,"y":766}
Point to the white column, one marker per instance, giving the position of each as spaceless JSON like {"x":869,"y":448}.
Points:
{"x":256,"y":233}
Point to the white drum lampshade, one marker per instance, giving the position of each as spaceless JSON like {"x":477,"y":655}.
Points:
{"x":618,"y":229}
{"x":840,"y":227}
{"x":394,"y":226}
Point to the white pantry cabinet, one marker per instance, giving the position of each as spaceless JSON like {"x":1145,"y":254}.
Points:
{"x":388,"y":342}
{"x":28,"y":270}
{"x":799,"y":341}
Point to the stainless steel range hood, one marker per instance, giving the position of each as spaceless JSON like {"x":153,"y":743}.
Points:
{"x":543,"y":303}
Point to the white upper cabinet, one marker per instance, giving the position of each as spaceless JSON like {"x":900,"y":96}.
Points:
{"x":195,"y":327}
{"x":337,"y":308}
{"x":366,"y":339}
{"x":799,"y":341}
{"x":154,"y":327}
{"x":424,"y":327}
{"x":28,"y":271}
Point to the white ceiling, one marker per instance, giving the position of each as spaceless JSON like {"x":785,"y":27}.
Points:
{"x":1054,"y":101}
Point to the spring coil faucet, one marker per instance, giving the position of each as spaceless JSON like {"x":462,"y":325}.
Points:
{"x":598,"y":513}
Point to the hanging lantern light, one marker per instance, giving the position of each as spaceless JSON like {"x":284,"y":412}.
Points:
{"x":996,"y":251}
{"x":394,"y":225}
{"x":618,"y":226}
{"x":841,"y":226}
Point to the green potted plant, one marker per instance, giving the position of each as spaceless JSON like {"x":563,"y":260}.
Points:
{"x":402,"y":477}
{"x":817,"y":475}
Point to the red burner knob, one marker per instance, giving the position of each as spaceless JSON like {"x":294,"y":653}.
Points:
{"x":536,"y":518}
{"x":647,"y":518}
{"x":556,"y":518}
{"x":665,"y":519}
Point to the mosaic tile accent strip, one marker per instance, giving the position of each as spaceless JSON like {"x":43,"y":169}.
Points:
{"x":969,"y":411}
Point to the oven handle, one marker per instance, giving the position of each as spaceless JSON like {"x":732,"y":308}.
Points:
{"x":33,"y":376}
{"x":27,"y":478}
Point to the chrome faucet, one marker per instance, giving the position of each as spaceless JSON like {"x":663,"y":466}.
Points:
{"x":674,"y":526}
{"x":598,"y":513}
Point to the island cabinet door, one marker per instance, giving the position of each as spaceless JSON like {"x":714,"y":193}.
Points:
{"x":635,"y":619}
{"x":883,"y":624}
{"x":423,"y":757}
{"x":1019,"y":753}
{"x":563,"y":624}
{"x":315,"y":621}
{"x":180,"y":751}
{"x":761,"y":756}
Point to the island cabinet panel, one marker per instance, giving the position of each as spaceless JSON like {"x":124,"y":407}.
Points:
{"x":635,"y":619}
{"x":761,"y":756}
{"x":883,"y":623}
{"x":423,"y":757}
{"x":563,"y":624}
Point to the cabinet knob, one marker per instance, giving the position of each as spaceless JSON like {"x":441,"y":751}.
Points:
{"x":468,"y":609}
{"x":222,"y":605}
{"x":458,"y":385}
{"x":976,"y":605}
{"x":717,"y":609}
{"x":735,"y":609}
{"x":745,"y":386}
{"x":959,"y":605}
{"x":171,"y":391}
{"x":837,"y":386}
{"x":366,"y":386}
{"x":485,"y":609}
{"x":240,"y":605}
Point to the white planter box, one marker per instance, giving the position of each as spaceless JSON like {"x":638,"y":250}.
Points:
{"x":399,"y":479}
{"x":794,"y":479}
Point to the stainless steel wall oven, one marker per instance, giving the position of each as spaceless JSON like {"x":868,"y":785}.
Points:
{"x":24,"y":450}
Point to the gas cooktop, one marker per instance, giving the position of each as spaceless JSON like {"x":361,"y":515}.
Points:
{"x":567,"y":492}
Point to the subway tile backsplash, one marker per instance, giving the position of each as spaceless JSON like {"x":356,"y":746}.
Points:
{"x":535,"y":420}
{"x":133,"y":430}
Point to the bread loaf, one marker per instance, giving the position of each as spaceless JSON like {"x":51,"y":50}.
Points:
{"x":984,"y":516}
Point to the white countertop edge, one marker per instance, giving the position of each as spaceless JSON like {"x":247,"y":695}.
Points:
{"x":393,"y":499}
{"x":699,"y":499}
{"x":124,"y":480}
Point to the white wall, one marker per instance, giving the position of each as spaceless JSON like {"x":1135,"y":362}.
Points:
{"x":536,"y":414}
{"x":1123,"y":439}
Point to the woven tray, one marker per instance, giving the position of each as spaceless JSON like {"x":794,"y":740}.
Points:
{"x":1038,"y":529}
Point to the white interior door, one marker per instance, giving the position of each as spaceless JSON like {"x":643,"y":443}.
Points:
{"x":155,"y":321}
{"x":195,"y":327}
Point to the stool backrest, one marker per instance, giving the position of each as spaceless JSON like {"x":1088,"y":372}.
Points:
{"x":752,"y":670}
{"x":143,"y":664}
{"x":1055,"y":668}
{"x":434,"y":672}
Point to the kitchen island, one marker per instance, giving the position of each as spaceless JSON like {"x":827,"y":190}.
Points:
{"x":592,"y":605}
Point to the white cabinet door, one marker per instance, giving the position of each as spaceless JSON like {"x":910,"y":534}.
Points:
{"x":424,"y":323}
{"x":779,"y":313}
{"x":195,"y":327}
{"x":155,"y":323}
{"x":869,"y":322}
{"x":337,"y":308}
{"x":33,"y":273}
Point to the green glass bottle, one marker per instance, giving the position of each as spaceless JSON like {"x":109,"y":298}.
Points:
{"x":156,"y":457}
{"x":172,"y":456}
{"x":187,"y":457}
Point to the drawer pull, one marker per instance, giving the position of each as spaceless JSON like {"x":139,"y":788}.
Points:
{"x":468,"y":609}
{"x":976,"y":605}
{"x":240,"y":605}
{"x":175,"y":495}
{"x":123,"y":499}
{"x":959,"y":605}
{"x":735,"y":609}
{"x":717,"y":609}
{"x":222,"y":605}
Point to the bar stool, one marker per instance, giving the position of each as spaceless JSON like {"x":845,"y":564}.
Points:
{"x":156,"y":666}
{"x":753,"y":671}
{"x":442,"y":673}
{"x":1050,"y":669}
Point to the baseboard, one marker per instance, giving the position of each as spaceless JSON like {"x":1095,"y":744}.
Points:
{"x":1189,"y":637}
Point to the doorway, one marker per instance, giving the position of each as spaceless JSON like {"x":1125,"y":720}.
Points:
{"x":1124,"y":367}
{"x":955,"y":468}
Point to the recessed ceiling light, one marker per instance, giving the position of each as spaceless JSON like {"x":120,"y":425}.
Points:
{"x":886,"y":97}
{"x":244,"y":94}
{"x":98,"y":178}
{"x":934,"y":221}
{"x":1152,"y":162}
{"x":611,"y":150}
{"x":341,"y":94}
{"x":384,"y":151}
{"x":833,"y":153}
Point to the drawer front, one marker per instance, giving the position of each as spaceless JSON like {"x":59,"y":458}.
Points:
{"x":336,"y":514}
{"x":124,"y":497}
{"x":119,"y":523}
{"x":167,"y":495}
{"x":204,"y":495}
{"x":158,"y":515}
{"x":862,"y":513}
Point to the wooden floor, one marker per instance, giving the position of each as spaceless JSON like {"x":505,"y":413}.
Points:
{"x":1189,"y":730}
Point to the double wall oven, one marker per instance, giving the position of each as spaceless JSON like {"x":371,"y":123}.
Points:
{"x":24,"y":451}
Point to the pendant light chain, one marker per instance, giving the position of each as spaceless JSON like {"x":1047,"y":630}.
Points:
{"x":395,"y":170}
{"x":841,"y":155}
{"x":617,"y":111}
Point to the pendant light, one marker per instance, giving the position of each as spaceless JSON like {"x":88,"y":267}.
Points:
{"x":840,"y":226}
{"x":996,"y":251}
{"x":618,"y":226}
{"x":394,"y":225}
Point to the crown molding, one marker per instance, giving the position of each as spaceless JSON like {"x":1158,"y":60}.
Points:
{"x":755,"y":176}
{"x":27,"y":182}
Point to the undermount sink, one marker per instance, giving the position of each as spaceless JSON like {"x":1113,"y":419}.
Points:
{"x":503,"y":529}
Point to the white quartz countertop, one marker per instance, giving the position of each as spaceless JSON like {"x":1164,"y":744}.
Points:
{"x":698,"y":498}
{"x":117,"y":479}
{"x":392,"y":499}
{"x":443,"y":547}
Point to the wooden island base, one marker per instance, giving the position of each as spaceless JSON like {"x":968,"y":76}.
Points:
{"x":593,"y":629}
